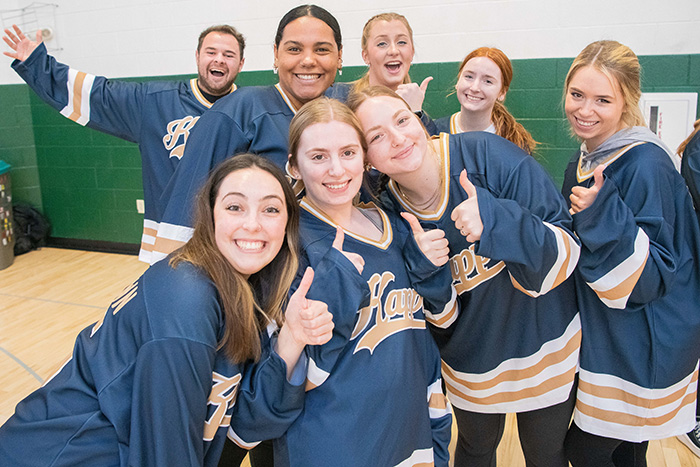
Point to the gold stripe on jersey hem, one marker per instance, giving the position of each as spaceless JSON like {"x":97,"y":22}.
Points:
{"x":547,"y":386}
{"x":621,"y":418}
{"x":618,"y":394}
{"x":547,"y":361}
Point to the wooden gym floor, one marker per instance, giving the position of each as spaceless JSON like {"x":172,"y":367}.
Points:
{"x":48,"y":296}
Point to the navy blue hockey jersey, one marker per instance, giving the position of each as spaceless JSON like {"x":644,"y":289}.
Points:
{"x":450,"y":124}
{"x":514,"y":344}
{"x":374,"y":390}
{"x":447,"y":124}
{"x":638,"y":288}
{"x":254,"y":119}
{"x":157,"y":115}
{"x":147,"y":385}
{"x":690,"y":169}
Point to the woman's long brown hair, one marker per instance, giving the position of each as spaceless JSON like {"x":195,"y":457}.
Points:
{"x":249,"y":305}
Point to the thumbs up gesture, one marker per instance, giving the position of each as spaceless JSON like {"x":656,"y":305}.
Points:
{"x":307,"y":322}
{"x":432,"y":243}
{"x":582,"y":197}
{"x":354,"y":258}
{"x":413,"y":94}
{"x":466,"y":215}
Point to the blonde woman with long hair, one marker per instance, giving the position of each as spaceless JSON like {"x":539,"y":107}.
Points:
{"x":638,"y":279}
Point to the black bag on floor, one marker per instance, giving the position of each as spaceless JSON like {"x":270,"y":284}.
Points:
{"x":31,"y":228}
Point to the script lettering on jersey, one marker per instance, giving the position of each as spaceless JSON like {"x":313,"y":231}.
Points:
{"x":222,"y":397}
{"x":126,"y":296}
{"x":394,"y":315}
{"x":177,"y":133}
{"x":469,"y":269}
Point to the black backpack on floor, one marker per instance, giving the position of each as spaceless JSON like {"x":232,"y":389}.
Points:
{"x":31,"y":228}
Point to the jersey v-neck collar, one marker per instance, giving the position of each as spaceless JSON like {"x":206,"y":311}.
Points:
{"x":387,"y":234}
{"x":582,"y":175}
{"x":200,"y":97}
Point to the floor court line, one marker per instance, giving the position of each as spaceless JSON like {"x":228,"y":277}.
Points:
{"x":22,"y":364}
{"x":15,"y":358}
{"x":52,"y":301}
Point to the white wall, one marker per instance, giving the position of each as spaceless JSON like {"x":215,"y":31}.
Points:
{"x":118,"y":38}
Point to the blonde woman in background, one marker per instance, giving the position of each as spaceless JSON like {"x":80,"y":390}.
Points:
{"x":388,"y":51}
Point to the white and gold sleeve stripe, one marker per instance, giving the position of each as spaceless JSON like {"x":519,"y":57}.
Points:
{"x":148,"y":240}
{"x":438,"y":406}
{"x":169,"y":238}
{"x":520,"y":384}
{"x":568,"y":252}
{"x":315,"y":376}
{"x":615,"y":287}
{"x":79,"y":87}
{"x":455,"y":127}
{"x":447,"y":316}
{"x":609,"y":406}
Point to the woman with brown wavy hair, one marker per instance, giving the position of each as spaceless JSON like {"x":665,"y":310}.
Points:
{"x":155,"y":382}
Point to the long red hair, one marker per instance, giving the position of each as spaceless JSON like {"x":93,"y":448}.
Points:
{"x":503,"y":120}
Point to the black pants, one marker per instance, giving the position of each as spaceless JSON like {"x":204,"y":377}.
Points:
{"x":542,"y":433}
{"x":260,"y":455}
{"x":584,"y":450}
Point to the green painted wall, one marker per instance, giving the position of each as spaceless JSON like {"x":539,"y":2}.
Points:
{"x":535,"y":97}
{"x":89,"y":181}
{"x":17,"y":143}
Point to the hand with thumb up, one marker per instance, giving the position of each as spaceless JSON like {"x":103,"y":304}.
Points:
{"x":413,"y":93}
{"x":307,"y":322}
{"x":357,"y":260}
{"x":466,"y":215}
{"x":432,"y":243}
{"x":582,"y":197}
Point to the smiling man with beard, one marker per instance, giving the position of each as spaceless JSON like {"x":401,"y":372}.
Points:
{"x":157,"y":115}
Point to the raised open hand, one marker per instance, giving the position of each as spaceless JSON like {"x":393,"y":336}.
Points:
{"x":22,"y":47}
